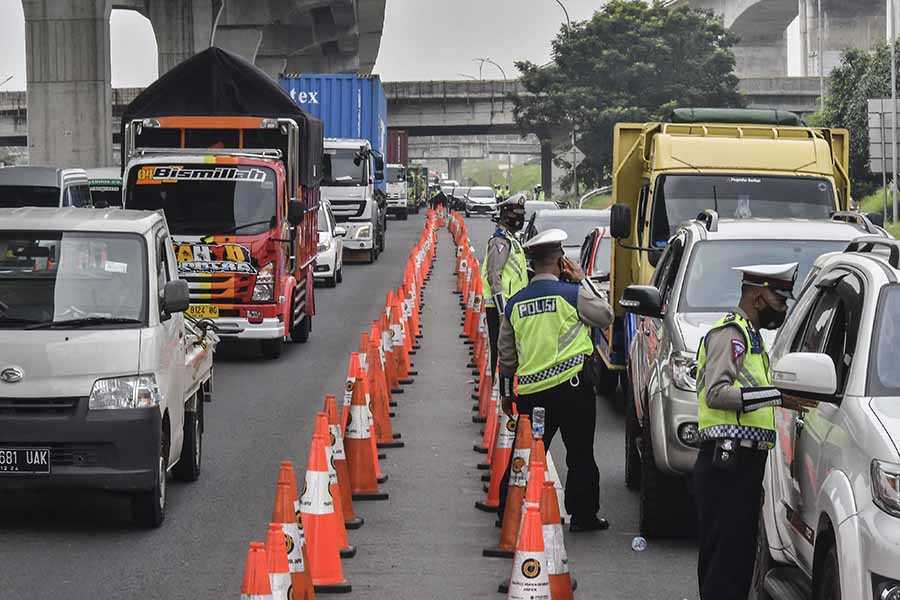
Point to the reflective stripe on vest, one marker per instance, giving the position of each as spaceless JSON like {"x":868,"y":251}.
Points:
{"x":514,"y":276}
{"x":551,"y":342}
{"x":757,"y":425}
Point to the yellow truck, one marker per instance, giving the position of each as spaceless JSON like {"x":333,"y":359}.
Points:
{"x":740,"y":163}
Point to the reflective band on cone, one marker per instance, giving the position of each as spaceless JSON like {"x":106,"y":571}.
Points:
{"x":359,"y":446}
{"x":276,"y":553}
{"x":351,"y":520}
{"x":284,"y":512}
{"x":334,"y":487}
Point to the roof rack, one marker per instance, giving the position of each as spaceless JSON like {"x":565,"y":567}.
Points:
{"x":710,"y":219}
{"x":870,"y":243}
{"x":849,"y":216}
{"x":242,"y":152}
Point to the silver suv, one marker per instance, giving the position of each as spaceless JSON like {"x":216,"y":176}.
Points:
{"x":693,"y":286}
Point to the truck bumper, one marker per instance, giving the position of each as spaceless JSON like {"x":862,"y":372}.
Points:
{"x":678,"y":409}
{"x":239,"y":328}
{"x":114,"y":450}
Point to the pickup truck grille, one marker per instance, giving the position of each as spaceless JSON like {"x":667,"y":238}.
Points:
{"x":37,"y":406}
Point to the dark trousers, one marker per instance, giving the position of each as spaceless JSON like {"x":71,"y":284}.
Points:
{"x":572,"y":411}
{"x":493,"y":323}
{"x":728,"y":503}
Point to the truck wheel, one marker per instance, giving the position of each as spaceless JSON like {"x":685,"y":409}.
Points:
{"x":272,"y":348}
{"x":666,"y":506}
{"x":331,"y":281}
{"x":403,"y":214}
{"x":148,"y":508}
{"x":188,"y":467}
{"x":632,"y":433}
{"x":827,"y":577}
{"x":300,"y":332}
{"x":373,"y":254}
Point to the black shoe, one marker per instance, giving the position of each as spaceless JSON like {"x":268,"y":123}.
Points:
{"x":592,"y":523}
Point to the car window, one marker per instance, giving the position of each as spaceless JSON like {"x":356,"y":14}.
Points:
{"x":812,"y":336}
{"x":78,"y":196}
{"x":163,"y":276}
{"x":641,"y":213}
{"x":664,"y":277}
{"x":884,"y":376}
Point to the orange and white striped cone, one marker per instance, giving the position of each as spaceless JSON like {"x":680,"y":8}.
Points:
{"x":256,"y":584}
{"x":561,"y":583}
{"x":319,"y":524}
{"x":277,"y":561}
{"x":503,"y":447}
{"x":373,"y":440}
{"x":352,"y":375}
{"x":529,"y":579}
{"x":533,"y":492}
{"x":334,"y":486}
{"x":518,"y":479}
{"x":485,"y":386}
{"x":359,"y":446}
{"x":490,"y":430}
{"x":287,"y":512}
{"x":339,"y":457}
{"x":384,"y":429}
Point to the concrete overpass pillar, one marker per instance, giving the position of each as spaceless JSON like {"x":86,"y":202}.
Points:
{"x":860,"y":24}
{"x":763,"y":56}
{"x":454,"y":168}
{"x":182,"y":28}
{"x":69,"y":90}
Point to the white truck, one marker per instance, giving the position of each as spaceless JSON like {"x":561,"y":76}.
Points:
{"x":102,"y":378}
{"x":397,"y":202}
{"x":349,"y":185}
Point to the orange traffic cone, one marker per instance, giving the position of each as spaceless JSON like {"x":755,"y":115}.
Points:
{"x":384,"y":429}
{"x":316,"y":510}
{"x":503,"y":447}
{"x":334,"y":486}
{"x":359,"y":446}
{"x":352,"y":376}
{"x":529,"y":579}
{"x":287,"y":512}
{"x":518,"y":479}
{"x":256,"y":585}
{"x":277,"y":560}
{"x":561,"y":584}
{"x":339,"y":458}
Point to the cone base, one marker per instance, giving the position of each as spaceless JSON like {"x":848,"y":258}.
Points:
{"x":485,"y":507}
{"x":497,"y":552}
{"x":418,"y":336}
{"x":348,"y":552}
{"x":475,"y":407}
{"x":479,"y":419}
{"x":479,"y":449}
{"x":391,"y":445}
{"x":392,"y":404}
{"x":486,"y":477}
{"x":470,"y":365}
{"x":382,"y":479}
{"x":366,"y":496}
{"x":413,"y":372}
{"x":407,"y":381}
{"x":333,"y":588}
{"x":475,"y":397}
{"x":483,"y":467}
{"x":392,"y":414}
{"x":397,"y":391}
{"x":382,"y":456}
{"x":355,"y":523}
{"x":503,"y":588}
{"x":468,"y":342}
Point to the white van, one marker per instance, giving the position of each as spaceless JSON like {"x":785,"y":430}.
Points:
{"x":44,"y":186}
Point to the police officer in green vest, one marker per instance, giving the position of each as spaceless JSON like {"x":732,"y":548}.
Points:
{"x":736,"y":413}
{"x":503,"y":270}
{"x":544,"y":343}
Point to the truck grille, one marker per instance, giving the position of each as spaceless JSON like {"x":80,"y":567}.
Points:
{"x":38,"y":406}
{"x":348,"y":208}
{"x":218,"y":289}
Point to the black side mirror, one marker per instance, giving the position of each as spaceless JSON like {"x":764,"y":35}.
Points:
{"x":876,"y":218}
{"x":644,"y":300}
{"x":176,"y":297}
{"x":620,"y":221}
{"x":295,"y":212}
{"x":379,"y":167}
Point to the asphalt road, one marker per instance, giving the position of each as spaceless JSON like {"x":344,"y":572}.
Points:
{"x":425,"y":542}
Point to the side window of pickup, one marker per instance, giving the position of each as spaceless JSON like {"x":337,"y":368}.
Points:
{"x":642,"y":213}
{"x":163,"y":274}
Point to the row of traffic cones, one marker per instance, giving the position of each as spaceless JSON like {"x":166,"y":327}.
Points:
{"x":530,"y":524}
{"x":307,"y":534}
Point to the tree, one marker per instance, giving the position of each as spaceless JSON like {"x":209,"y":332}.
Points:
{"x":632,"y":61}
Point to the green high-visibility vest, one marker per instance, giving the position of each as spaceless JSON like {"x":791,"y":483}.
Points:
{"x":514,"y":276}
{"x":551,"y":341}
{"x":756,"y":425}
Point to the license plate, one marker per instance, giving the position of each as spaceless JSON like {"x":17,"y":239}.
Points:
{"x":203,"y":311}
{"x":31,"y":461}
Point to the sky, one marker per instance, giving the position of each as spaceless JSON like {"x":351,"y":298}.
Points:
{"x":423,"y":39}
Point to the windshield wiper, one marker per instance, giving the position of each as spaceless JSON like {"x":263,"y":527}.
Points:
{"x":239,"y":227}
{"x":85,"y":321}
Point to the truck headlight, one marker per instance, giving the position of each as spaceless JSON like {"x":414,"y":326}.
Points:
{"x":363,"y":233}
{"x":886,"y":486}
{"x":134,"y":391}
{"x":684,"y":371}
{"x":264,"y":289}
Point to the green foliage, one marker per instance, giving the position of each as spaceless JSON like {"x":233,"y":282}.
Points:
{"x":487,"y":172}
{"x":600,"y":201}
{"x":632,"y":61}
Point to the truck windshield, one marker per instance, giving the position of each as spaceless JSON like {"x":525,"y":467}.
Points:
{"x":51,"y":277}
{"x":712,"y":285}
{"x":15,"y":196}
{"x":884,"y":377}
{"x":680,"y":198}
{"x":340,"y":168}
{"x":206,"y":199}
{"x":395,"y":174}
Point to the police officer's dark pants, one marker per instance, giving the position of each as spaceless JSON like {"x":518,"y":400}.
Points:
{"x":728,"y":503}
{"x":572,"y":411}
{"x":493,"y":322}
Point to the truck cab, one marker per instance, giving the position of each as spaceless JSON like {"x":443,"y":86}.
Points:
{"x":102,"y":378}
{"x":395,"y":178}
{"x":349,"y":180}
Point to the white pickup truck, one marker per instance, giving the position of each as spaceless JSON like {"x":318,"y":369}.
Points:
{"x":102,"y":378}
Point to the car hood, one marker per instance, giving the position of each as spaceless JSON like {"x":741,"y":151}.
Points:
{"x":342,"y":193}
{"x":694,"y":327}
{"x":887,"y":409}
{"x":66,"y":362}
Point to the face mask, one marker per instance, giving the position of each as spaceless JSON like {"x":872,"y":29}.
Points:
{"x":771,"y":318}
{"x":514,"y":221}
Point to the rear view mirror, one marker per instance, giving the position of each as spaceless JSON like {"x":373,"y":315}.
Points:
{"x":175,"y":297}
{"x":806,"y":373}
{"x":295,"y":212}
{"x":340,"y":231}
{"x":620,"y":221}
{"x":644,"y":300}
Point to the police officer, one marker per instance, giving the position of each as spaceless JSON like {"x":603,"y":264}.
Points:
{"x":503,"y":270}
{"x":538,"y":192}
{"x":545,"y":341}
{"x":736,"y":401}
{"x":506,"y":192}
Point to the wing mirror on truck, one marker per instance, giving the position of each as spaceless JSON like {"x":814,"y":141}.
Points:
{"x":175,"y":297}
{"x":620,"y":221}
{"x":295,"y":212}
{"x":645,"y":300}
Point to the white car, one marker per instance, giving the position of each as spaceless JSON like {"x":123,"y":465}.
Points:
{"x":329,"y":258}
{"x":480,"y":200}
{"x":832,"y":485}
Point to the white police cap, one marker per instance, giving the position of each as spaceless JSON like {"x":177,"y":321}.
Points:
{"x":779,"y":278}
{"x":545,"y":241}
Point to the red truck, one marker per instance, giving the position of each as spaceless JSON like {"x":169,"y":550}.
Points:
{"x":235,"y":165}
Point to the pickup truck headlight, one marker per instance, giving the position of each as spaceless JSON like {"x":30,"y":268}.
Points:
{"x":321,"y":247}
{"x":684,"y":371}
{"x":886,"y":486}
{"x":363,"y":233}
{"x":134,"y":391}
{"x":264,"y":289}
